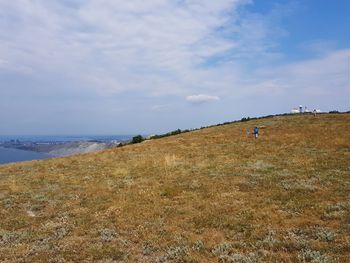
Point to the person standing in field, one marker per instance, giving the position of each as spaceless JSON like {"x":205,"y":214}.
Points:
{"x":256,"y":132}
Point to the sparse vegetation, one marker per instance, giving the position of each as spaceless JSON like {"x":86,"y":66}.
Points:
{"x":239,"y":258}
{"x":210,"y":195}
{"x":176,"y":132}
{"x":245,"y":119}
{"x":314,"y":257}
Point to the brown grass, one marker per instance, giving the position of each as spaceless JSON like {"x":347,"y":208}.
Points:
{"x":205,"y":196}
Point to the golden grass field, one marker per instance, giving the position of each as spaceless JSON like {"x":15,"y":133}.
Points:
{"x":211,"y":195}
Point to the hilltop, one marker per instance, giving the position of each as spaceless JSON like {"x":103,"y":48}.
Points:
{"x":211,"y":195}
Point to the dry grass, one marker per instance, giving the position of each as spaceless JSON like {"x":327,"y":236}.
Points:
{"x":212,"y":195}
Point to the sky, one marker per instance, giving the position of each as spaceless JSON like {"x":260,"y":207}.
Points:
{"x":144,"y":67}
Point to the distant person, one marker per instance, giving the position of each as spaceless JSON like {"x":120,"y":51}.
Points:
{"x":256,"y":132}
{"x":315,"y":112}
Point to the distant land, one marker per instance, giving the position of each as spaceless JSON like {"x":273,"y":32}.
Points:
{"x":43,"y":147}
{"x":25,"y":148}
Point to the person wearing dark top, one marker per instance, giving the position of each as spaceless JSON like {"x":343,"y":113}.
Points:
{"x":256,"y":132}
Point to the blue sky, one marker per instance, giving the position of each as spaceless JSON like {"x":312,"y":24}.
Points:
{"x":121,"y":67}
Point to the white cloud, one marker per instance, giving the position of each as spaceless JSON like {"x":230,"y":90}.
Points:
{"x":157,"y":47}
{"x":201,"y":98}
{"x":326,"y":75}
{"x":99,"y":55}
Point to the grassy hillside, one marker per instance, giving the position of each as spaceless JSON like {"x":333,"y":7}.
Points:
{"x":212,"y":195}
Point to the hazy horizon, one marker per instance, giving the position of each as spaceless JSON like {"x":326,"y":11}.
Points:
{"x":133,"y":134}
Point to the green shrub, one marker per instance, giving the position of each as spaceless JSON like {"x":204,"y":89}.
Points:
{"x":137,"y":139}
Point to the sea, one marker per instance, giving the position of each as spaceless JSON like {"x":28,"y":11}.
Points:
{"x":13,"y":155}
{"x":10,"y":155}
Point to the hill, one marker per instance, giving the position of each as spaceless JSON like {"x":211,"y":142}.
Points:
{"x":211,"y":195}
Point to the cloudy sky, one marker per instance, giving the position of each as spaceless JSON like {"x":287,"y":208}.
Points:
{"x":151,"y":66}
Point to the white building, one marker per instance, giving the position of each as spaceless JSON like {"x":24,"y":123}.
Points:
{"x":300,"y":110}
{"x":295,"y":110}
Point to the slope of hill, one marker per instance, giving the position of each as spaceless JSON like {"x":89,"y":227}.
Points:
{"x":212,"y":195}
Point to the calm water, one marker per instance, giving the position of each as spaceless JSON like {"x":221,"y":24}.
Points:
{"x":14,"y":155}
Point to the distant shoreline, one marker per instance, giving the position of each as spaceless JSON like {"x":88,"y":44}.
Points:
{"x":58,"y":146}
{"x":61,"y":149}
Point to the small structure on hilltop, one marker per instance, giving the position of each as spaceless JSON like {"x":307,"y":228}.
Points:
{"x":301,"y":109}
{"x":295,"y":110}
